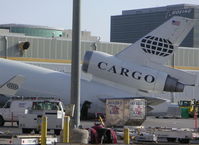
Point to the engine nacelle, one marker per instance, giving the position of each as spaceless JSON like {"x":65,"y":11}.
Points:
{"x":111,"y":68}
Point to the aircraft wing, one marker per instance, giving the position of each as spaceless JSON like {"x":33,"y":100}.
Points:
{"x":12,"y":85}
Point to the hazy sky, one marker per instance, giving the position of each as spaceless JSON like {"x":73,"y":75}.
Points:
{"x":58,"y":13}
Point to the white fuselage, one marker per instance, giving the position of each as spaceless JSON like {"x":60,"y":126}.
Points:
{"x":111,"y":68}
{"x":41,"y":82}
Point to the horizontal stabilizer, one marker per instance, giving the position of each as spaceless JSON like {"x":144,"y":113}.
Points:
{"x":182,"y":76}
{"x":149,"y":108}
{"x":12,"y":86}
{"x":150,"y":100}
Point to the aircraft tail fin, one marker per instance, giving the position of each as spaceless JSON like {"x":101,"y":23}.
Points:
{"x":12,"y":85}
{"x":158,"y":45}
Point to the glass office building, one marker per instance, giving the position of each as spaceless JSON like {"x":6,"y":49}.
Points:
{"x":133,"y":24}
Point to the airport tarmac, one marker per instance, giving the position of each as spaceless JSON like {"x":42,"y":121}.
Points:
{"x":149,"y":123}
{"x":169,"y":123}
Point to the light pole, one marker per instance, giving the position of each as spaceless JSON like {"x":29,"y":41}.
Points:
{"x":75,"y":70}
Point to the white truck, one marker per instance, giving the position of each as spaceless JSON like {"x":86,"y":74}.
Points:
{"x":52,"y":109}
{"x":13,"y":109}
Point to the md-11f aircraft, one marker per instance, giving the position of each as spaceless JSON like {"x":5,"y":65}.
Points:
{"x":134,"y":72}
{"x":140,"y":66}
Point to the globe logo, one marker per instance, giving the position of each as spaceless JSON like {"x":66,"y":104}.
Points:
{"x":158,"y":46}
{"x":12,"y":86}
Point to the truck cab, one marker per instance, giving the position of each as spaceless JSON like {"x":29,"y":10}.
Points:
{"x":13,"y":109}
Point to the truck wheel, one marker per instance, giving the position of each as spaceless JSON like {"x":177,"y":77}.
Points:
{"x":36,"y":131}
{"x":26,"y":130}
{"x":57,"y":131}
{"x":183,"y":140}
{"x":1,"y":121}
{"x":169,"y":139}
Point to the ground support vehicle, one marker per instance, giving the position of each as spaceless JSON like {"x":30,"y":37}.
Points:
{"x":6,"y":139}
{"x":146,"y":137}
{"x":189,"y":107}
{"x":161,"y":135}
{"x":52,"y":109}
{"x":13,"y":109}
{"x":177,"y":135}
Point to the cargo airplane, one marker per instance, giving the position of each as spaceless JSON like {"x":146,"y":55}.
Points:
{"x":134,"y":72}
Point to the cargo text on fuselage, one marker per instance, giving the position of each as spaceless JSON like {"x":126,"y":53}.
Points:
{"x":137,"y":75}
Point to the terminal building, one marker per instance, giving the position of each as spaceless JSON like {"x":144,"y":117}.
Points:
{"x":133,"y":24}
{"x":47,"y":43}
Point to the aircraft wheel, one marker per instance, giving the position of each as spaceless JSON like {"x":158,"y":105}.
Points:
{"x":171,"y":139}
{"x":57,"y":131}
{"x":183,"y":140}
{"x":37,"y":131}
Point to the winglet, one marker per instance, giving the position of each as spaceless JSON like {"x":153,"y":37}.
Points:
{"x":12,"y":86}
